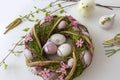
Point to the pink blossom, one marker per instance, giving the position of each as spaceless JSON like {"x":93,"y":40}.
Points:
{"x":61,"y":70}
{"x":65,"y":66}
{"x":48,"y":19}
{"x":61,"y":77}
{"x":70,"y":18}
{"x":36,"y":70}
{"x":27,"y":39}
{"x":74,"y":23}
{"x":45,"y":73}
{"x":79,"y":43}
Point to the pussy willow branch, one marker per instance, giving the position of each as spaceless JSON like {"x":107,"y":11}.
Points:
{"x":10,"y":51}
{"x":47,"y":7}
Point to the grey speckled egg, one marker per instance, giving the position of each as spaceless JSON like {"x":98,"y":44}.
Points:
{"x":87,"y":58}
{"x":50,"y":48}
{"x":64,"y":50}
{"x":70,"y":62}
{"x":62,"y":25}
{"x":28,"y":54}
{"x":58,"y":39}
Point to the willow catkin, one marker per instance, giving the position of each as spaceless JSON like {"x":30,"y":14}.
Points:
{"x":13,"y":24}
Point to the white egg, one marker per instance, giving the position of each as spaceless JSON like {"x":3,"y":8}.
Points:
{"x":28,"y":54}
{"x":106,"y":21}
{"x":62,"y":25}
{"x":58,"y":39}
{"x":87,"y":58}
{"x":70,"y":62}
{"x":64,"y":50}
{"x":86,"y":7}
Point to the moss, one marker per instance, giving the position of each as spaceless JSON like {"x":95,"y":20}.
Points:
{"x":79,"y":69}
{"x":52,"y":66}
{"x":34,"y":46}
{"x":37,"y":59}
{"x":75,"y":38}
{"x":45,"y":28}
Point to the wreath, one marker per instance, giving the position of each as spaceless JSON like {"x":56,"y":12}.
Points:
{"x":58,"y":47}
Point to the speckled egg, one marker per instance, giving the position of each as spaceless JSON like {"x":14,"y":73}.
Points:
{"x":50,"y":48}
{"x":87,"y":58}
{"x":28,"y":54}
{"x":62,"y":25}
{"x":107,"y":21}
{"x":58,"y":39}
{"x":70,"y":62}
{"x":64,"y":50}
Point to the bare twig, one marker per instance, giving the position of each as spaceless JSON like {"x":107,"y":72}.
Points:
{"x":10,"y":51}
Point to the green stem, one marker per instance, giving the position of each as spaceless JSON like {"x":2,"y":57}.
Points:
{"x":111,"y":52}
{"x":63,"y":7}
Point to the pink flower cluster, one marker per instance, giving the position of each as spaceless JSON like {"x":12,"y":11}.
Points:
{"x":62,"y":70}
{"x":27,"y":39}
{"x":73,"y":21}
{"x":45,"y":73}
{"x":79,"y":43}
{"x":48,"y":19}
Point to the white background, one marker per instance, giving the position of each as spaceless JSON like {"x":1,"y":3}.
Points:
{"x":102,"y":67}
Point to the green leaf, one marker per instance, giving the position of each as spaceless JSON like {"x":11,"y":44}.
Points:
{"x":22,"y":37}
{"x":20,"y":16}
{"x":37,"y":20}
{"x":62,"y":11}
{"x":32,"y":15}
{"x":21,"y":43}
{"x":5,"y":65}
{"x":1,"y":64}
{"x":26,"y":29}
{"x":27,"y":17}
{"x":59,"y":5}
{"x":37,"y":11}
{"x":50,"y":5}
{"x":47,"y":14}
{"x":35,"y":7}
{"x":44,"y":10}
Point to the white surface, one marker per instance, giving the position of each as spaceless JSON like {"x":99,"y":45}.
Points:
{"x":102,"y":67}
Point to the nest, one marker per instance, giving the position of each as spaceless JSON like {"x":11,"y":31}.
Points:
{"x":74,"y":32}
